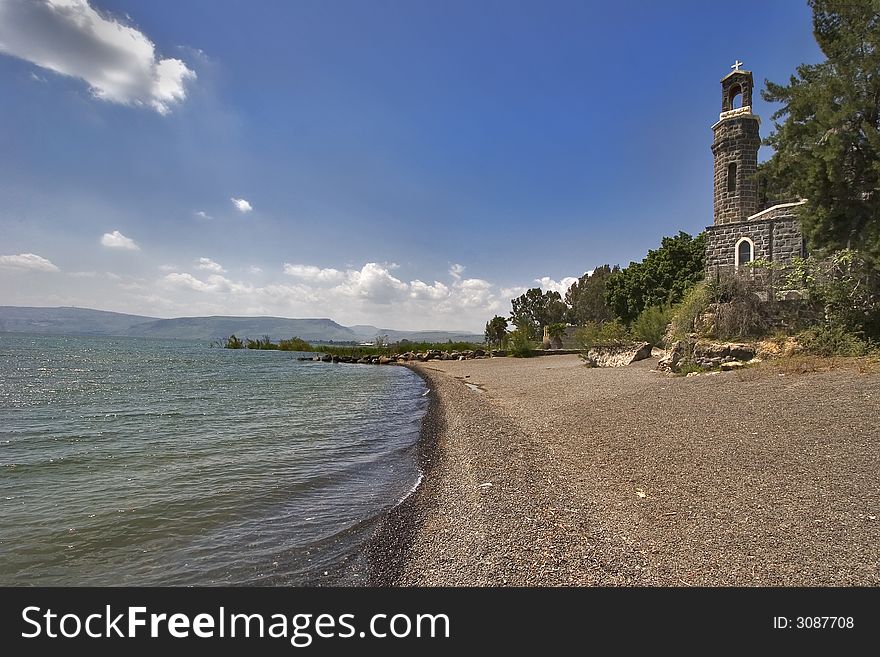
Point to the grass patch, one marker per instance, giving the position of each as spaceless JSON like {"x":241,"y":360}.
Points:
{"x":693,"y":368}
{"x":686,"y":314}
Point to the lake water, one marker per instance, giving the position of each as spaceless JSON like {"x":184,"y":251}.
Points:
{"x":138,"y":462}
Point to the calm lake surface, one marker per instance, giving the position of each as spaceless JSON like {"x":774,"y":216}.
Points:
{"x":126,"y":461}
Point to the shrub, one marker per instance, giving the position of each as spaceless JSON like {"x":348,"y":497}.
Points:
{"x":650,"y":325}
{"x":606,"y":333}
{"x":557,"y":330}
{"x":294,"y":344}
{"x":519,"y":344}
{"x":830,"y":340}
{"x":685,"y":315}
{"x":737,"y":308}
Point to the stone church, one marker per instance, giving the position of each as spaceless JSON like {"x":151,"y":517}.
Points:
{"x":743,"y":231}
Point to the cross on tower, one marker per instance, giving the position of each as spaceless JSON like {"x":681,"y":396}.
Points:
{"x":736,"y":65}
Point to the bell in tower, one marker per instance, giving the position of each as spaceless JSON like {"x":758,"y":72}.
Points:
{"x":735,"y":148}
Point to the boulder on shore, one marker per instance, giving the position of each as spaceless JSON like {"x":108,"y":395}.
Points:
{"x":709,"y":355}
{"x":617,"y":355}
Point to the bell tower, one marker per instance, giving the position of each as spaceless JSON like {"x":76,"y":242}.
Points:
{"x":735,"y":149}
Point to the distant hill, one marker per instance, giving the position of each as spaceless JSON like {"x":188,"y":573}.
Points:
{"x":67,"y":321}
{"x":196,"y":328}
{"x":84,"y":321}
{"x":369,"y":333}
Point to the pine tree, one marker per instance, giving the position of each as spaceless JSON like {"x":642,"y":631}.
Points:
{"x":827,"y":150}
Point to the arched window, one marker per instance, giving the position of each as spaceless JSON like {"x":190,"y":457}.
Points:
{"x":744,"y":251}
{"x":736,"y":96}
{"x":731,"y":178}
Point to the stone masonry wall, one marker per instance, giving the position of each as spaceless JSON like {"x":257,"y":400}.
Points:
{"x":721,"y":242}
{"x":776,"y":234}
{"x":738,"y":80}
{"x":788,"y":240}
{"x":737,"y":140}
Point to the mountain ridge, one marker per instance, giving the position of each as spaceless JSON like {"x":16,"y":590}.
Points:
{"x":72,"y":320}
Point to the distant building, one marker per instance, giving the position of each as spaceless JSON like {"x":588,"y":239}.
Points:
{"x":743,"y":231}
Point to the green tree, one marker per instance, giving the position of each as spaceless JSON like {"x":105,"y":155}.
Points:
{"x":586,"y":297}
{"x":661,"y":278}
{"x":827,"y":150}
{"x":535,"y":309}
{"x":496,"y":330}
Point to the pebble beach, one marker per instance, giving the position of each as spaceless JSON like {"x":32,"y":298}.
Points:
{"x":543,"y":472}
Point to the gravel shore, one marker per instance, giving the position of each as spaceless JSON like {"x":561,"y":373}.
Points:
{"x":544,"y":472}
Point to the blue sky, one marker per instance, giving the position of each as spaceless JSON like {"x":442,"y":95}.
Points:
{"x":407,"y":164}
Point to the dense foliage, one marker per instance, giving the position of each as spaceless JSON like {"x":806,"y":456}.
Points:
{"x":846,"y":285}
{"x":388,"y":349}
{"x":293,"y":344}
{"x":496,"y":330}
{"x":535,"y":309}
{"x":604,"y":333}
{"x":661,"y":278}
{"x":586,"y":297}
{"x":827,"y":150}
{"x":519,"y":344}
{"x":650,"y":326}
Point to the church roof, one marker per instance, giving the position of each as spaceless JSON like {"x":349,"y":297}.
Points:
{"x":739,"y":72}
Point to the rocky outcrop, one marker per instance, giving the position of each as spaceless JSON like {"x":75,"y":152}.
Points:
{"x":617,"y":355}
{"x":394,"y":359}
{"x":671,"y":362}
{"x":709,"y":355}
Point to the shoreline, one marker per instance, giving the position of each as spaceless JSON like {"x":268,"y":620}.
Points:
{"x":388,"y":549}
{"x":541,"y":472}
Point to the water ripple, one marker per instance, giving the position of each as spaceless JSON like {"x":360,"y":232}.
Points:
{"x":126,"y":461}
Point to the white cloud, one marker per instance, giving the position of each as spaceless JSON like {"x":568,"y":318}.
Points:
{"x":255,"y":270}
{"x":71,"y":38}
{"x":513,"y":292}
{"x":314,"y":274}
{"x":548,"y":284}
{"x":359,"y":293}
{"x":214,"y":283}
{"x":177,"y":279}
{"x":456,"y":270}
{"x":373,"y":282}
{"x":201,"y":214}
{"x":207,"y":264}
{"x":241,"y":205}
{"x":117,"y":240}
{"x":27,"y":261}
{"x":420,"y":290}
{"x":37,"y":78}
{"x":474,"y":292}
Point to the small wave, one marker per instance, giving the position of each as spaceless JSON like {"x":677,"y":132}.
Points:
{"x":412,"y":489}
